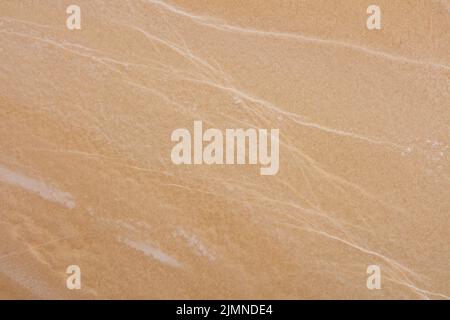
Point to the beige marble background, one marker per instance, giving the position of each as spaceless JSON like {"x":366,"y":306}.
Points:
{"x":86,"y":176}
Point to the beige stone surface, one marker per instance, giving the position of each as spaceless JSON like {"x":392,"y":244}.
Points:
{"x":86,"y":176}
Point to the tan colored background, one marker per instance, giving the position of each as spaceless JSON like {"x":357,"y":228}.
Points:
{"x":85,"y":170}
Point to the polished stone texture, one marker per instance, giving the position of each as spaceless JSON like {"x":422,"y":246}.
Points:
{"x":86,"y":176}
